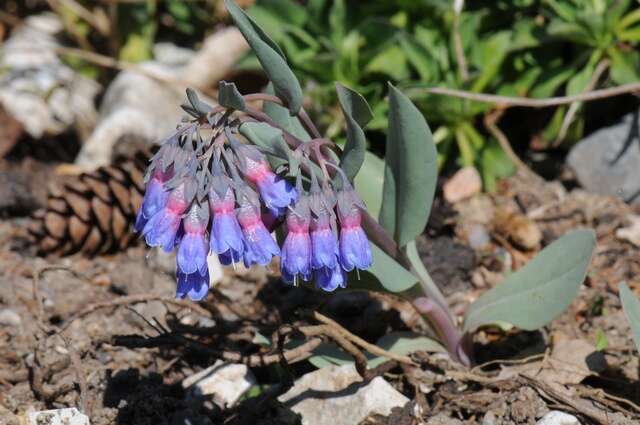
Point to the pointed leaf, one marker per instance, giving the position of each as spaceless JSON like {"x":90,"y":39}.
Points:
{"x":401,"y":343}
{"x":230,"y":97}
{"x":283,"y":118}
{"x":385,"y":272}
{"x":631,"y":308}
{"x":271,"y":58}
{"x":197,"y":105}
{"x":534,"y":295}
{"x":410,"y":170}
{"x":357,"y":114}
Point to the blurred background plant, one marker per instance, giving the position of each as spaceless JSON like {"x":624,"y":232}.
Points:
{"x":525,"y":48}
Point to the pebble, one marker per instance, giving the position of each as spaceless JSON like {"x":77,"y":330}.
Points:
{"x":465,"y":183}
{"x":556,"y":417}
{"x":70,"y":416}
{"x":9,"y":318}
{"x":337,"y":392}
{"x":224,"y":382}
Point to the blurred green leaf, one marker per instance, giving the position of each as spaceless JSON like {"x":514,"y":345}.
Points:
{"x":410,"y":170}
{"x":631,"y":308}
{"x":540,"y":291}
{"x":271,"y":58}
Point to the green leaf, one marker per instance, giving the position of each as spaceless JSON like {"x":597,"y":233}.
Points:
{"x":391,"y":62}
{"x":385,"y":272}
{"x":534,"y":295}
{"x":631,"y":308}
{"x":283,"y":118}
{"x":357,"y":114}
{"x":401,"y":343}
{"x":369,"y":181}
{"x":410,"y":170}
{"x":271,"y":58}
{"x":230,"y":97}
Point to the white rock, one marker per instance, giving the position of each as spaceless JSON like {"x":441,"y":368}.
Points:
{"x":9,"y":318}
{"x":556,"y":417}
{"x":57,"y":417}
{"x":339,"y":393}
{"x":224,"y":382}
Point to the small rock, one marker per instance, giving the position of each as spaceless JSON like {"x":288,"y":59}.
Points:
{"x":465,"y":183}
{"x":630,"y":233}
{"x":9,"y":318}
{"x":224,"y":382}
{"x":339,"y":393}
{"x":69,"y":416}
{"x":478,"y":237}
{"x":556,"y":417}
{"x":606,"y":161}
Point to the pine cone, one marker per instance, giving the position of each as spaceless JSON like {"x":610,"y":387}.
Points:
{"x":92,"y":213}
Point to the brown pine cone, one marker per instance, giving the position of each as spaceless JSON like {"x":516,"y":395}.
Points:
{"x":92,"y":213}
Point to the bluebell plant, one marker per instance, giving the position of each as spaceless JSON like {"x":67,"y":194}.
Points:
{"x":211,"y":190}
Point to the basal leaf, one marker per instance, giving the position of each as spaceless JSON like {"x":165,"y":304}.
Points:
{"x":401,"y":343}
{"x":357,"y":114}
{"x":230,"y":97}
{"x":385,"y":272}
{"x":534,"y":295}
{"x":369,"y":181}
{"x":410,"y":170}
{"x":271,"y":58}
{"x":631,"y":308}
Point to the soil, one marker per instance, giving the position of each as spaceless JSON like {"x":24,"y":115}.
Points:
{"x":104,"y":334}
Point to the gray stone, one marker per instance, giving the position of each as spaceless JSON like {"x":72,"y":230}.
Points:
{"x":9,"y":318}
{"x":69,"y":416}
{"x":337,"y":392}
{"x":606,"y":162}
{"x":224,"y":382}
{"x":556,"y":417}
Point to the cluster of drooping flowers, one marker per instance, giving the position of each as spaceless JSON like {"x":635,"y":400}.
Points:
{"x":216,"y":194}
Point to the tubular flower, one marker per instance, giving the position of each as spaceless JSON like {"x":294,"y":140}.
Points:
{"x":276,"y":193}
{"x":259,"y":246}
{"x":194,"y":285}
{"x":226,"y":235}
{"x":296,"y":250}
{"x":155,"y":198}
{"x":323,"y":242}
{"x":354,"y":248}
{"x":193,"y":247}
{"x":161,"y":229}
{"x":329,"y":279}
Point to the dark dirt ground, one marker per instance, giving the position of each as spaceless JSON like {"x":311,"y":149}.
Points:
{"x":112,"y":363}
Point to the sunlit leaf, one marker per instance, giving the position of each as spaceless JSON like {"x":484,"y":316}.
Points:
{"x":631,"y":308}
{"x":540,"y":291}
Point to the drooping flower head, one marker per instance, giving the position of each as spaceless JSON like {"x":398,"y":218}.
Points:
{"x":194,"y":248}
{"x":194,"y":285}
{"x":355,"y":251}
{"x":296,"y":251}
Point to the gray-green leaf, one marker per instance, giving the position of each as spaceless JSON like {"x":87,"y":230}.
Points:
{"x":401,"y":343}
{"x":281,"y":116}
{"x":271,"y":58}
{"x":384,"y":271}
{"x":631,"y":308}
{"x":271,"y":141}
{"x":534,"y":295}
{"x":357,"y":114}
{"x":230,"y":97}
{"x":410,"y":170}
{"x":369,"y":181}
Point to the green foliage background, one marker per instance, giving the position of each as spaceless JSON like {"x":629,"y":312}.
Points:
{"x":532,"y":48}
